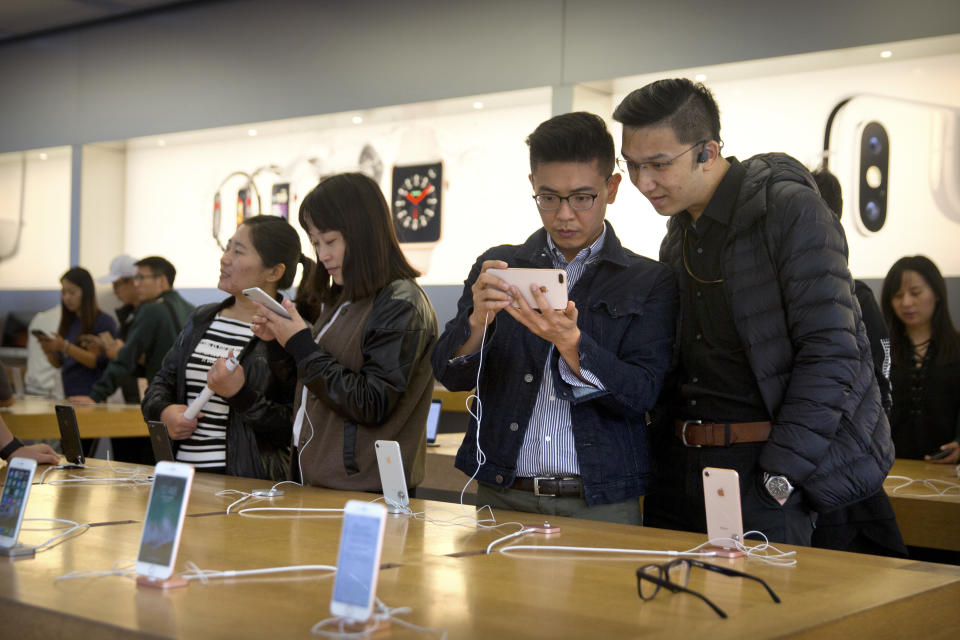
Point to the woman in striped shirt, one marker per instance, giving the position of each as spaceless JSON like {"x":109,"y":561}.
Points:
{"x":244,"y":429}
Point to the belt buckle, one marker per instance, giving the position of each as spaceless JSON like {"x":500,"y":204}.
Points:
{"x":683,"y":432}
{"x":536,"y":488}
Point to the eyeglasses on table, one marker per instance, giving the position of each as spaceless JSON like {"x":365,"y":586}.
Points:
{"x":675,"y":576}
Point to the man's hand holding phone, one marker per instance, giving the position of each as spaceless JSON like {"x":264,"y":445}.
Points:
{"x":268,"y":325}
{"x":948,"y":454}
{"x":179,"y":427}
{"x":558,"y":326}
{"x":490,"y":296}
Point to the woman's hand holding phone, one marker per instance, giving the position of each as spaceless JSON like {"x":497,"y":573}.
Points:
{"x":179,"y":427}
{"x":268,"y":325}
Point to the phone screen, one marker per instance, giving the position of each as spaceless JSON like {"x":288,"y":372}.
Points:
{"x":163,"y":520}
{"x":11,"y":501}
{"x":433,"y":420}
{"x":356,"y":560}
{"x":280,"y":200}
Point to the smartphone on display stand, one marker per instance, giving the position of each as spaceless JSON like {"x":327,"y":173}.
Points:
{"x":259,"y":295}
{"x":70,"y":436}
{"x":358,"y":560}
{"x":392,"y":479}
{"x":433,"y":422}
{"x":163,"y":524}
{"x":160,"y":441}
{"x":898,"y":163}
{"x":13,"y":503}
{"x":721,"y":500}
{"x":552,"y":283}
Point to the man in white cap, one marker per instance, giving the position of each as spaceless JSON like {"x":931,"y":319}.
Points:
{"x":122,"y":271}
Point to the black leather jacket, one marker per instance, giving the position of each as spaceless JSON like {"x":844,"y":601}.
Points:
{"x":261,"y":414}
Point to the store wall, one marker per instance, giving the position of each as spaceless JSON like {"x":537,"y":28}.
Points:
{"x":211,"y":64}
{"x":233,"y":62}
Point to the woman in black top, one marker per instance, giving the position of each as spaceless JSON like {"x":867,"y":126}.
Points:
{"x":925,"y":349}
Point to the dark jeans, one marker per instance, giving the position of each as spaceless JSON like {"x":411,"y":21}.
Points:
{"x":626,"y":512}
{"x":676,"y":501}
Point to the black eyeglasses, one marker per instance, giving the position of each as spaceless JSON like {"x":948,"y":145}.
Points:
{"x":633,"y":168}
{"x":577,"y":201}
{"x":675,"y":575}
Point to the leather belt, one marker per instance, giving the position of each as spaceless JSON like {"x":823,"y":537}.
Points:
{"x":695,"y":433}
{"x":568,"y":487}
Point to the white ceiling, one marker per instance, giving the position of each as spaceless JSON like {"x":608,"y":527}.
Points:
{"x":24,"y":18}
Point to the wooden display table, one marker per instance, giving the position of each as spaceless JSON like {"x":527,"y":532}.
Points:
{"x":925,"y":518}
{"x":441,"y":572}
{"x":34,"y":418}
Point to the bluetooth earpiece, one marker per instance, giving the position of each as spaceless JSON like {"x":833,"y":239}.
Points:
{"x":703,"y":156}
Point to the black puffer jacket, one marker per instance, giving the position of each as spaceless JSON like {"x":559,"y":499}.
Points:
{"x":792,"y":298}
{"x":261,"y":413}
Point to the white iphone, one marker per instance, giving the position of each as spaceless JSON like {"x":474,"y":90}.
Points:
{"x":358,"y":561}
{"x":721,"y":499}
{"x":164,"y":520}
{"x":259,"y":295}
{"x":13,"y":501}
{"x":392,"y":480}
{"x":552,"y":283}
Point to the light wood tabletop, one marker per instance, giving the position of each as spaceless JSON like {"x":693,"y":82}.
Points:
{"x":442,"y":572}
{"x":34,"y":418}
{"x":928,"y":508}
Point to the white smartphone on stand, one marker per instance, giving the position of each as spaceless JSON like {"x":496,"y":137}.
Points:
{"x":13,"y":500}
{"x":163,"y":523}
{"x":392,"y":479}
{"x":358,"y":561}
{"x":721,"y":500}
{"x":552,"y":283}
{"x":259,"y":295}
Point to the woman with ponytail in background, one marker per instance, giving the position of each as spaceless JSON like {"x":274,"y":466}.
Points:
{"x":245,"y":428}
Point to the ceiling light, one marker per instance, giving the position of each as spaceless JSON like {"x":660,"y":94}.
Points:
{"x":357,"y":120}
{"x":700,"y":77}
{"x":251,"y":132}
{"x":161,"y":142}
{"x":886,"y":53}
{"x":478,"y":105}
{"x":43,"y":156}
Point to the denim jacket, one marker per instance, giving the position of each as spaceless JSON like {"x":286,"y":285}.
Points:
{"x":626,"y":307}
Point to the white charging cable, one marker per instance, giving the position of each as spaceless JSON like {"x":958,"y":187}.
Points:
{"x":940,"y":487}
{"x":206,"y":393}
{"x":124,"y":568}
{"x":75,"y":528}
{"x":382,"y":613}
{"x":478,"y":415}
{"x":194,"y":572}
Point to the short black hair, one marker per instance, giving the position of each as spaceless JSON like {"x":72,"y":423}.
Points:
{"x":687,"y":107}
{"x":573,"y":137}
{"x":159,"y":267}
{"x":830,"y":190}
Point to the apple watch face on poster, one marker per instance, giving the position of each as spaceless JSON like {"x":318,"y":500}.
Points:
{"x":417,"y":200}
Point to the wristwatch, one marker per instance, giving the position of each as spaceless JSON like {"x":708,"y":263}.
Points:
{"x":416,"y":196}
{"x":778,"y":487}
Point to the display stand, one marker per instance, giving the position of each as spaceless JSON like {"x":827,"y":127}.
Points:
{"x":173,"y":582}
{"x":19,"y":552}
{"x":545,"y":528}
{"x":724,"y":552}
{"x":371,"y":628}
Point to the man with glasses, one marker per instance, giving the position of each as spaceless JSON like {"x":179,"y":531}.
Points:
{"x":155,"y":327}
{"x":562,"y":394}
{"x":775,"y":377}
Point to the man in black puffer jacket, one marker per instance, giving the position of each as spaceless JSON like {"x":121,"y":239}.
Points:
{"x":774,"y":375}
